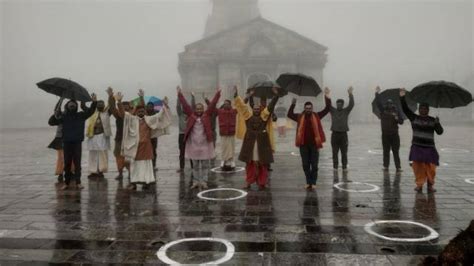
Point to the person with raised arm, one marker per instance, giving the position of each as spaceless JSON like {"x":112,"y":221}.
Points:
{"x":256,"y":151}
{"x":339,"y":128}
{"x":199,"y":138}
{"x":182,"y":121}
{"x":119,"y":159}
{"x":310,"y":136}
{"x":227,"y":117}
{"x":137,"y":148}
{"x":73,"y":124}
{"x":98,"y":134}
{"x":423,"y":153}
{"x":390,"y":118}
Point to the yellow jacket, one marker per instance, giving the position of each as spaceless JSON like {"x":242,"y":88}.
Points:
{"x":244,"y":113}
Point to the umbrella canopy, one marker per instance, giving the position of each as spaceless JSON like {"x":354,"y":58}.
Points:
{"x":394,"y":95}
{"x":265,"y":89}
{"x":65,"y":88}
{"x":157,"y":102}
{"x":441,"y":94}
{"x":299,"y":84}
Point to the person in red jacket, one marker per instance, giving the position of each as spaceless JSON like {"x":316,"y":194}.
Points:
{"x":227,"y":120}
{"x":199,"y":138}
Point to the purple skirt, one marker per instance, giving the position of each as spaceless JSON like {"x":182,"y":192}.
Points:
{"x":424,"y":154}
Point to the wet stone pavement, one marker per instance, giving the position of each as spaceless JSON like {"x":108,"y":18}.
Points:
{"x":284,"y":225}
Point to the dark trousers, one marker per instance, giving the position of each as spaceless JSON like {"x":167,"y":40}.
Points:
{"x":310,"y":159}
{"x":391,"y":142}
{"x":154,"y":144}
{"x":72,"y":155}
{"x":182,"y":148}
{"x":339,"y":142}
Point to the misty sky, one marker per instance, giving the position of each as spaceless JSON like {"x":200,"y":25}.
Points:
{"x":131,"y":44}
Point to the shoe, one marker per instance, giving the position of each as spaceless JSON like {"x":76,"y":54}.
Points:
{"x":399,"y":170}
{"x":195,"y":185}
{"x":119,"y":177}
{"x":91,"y":175}
{"x":204,"y":185}
{"x":79,"y":186}
{"x":312,"y":187}
{"x":179,"y":170}
{"x":431,"y":189}
{"x":418,"y":189}
{"x":261,"y":188}
{"x":345,"y":170}
{"x":131,"y":187}
{"x":64,"y":187}
{"x":60,"y":179}
{"x":247,"y":186}
{"x":385,"y":169}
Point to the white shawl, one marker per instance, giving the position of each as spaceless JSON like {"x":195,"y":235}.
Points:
{"x":159,"y":122}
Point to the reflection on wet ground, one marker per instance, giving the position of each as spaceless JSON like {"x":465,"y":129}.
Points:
{"x":284,"y":225}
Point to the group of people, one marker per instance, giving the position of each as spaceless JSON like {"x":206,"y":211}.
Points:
{"x":138,"y":129}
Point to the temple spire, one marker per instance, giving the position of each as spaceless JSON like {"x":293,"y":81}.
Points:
{"x":229,"y":13}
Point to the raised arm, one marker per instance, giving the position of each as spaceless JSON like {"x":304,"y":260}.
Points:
{"x":90,"y":111}
{"x":112,"y":104}
{"x":408,"y":112}
{"x":241,"y":106}
{"x":291,"y":111}
{"x":58,"y":105}
{"x":211,"y":106}
{"x":351,"y":99}
{"x":184,"y":104}
{"x":273,"y":102}
{"x":328,"y":104}
{"x":251,"y":101}
{"x":120,"y":110}
{"x":193,"y":101}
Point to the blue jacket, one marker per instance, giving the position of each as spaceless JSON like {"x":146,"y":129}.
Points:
{"x":73,"y":123}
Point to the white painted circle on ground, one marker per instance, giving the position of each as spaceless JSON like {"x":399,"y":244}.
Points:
{"x":375,"y":151}
{"x":469,"y":180}
{"x":242,"y":194}
{"x":454,"y":150}
{"x":374,"y":187}
{"x":433,"y":234}
{"x":230,"y":250}
{"x":218,"y":170}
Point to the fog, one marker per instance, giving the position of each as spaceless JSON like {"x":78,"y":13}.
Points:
{"x":135,"y":44}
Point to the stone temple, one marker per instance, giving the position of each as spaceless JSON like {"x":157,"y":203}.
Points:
{"x":239,"y":47}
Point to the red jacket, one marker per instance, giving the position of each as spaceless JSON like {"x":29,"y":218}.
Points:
{"x":227,"y":121}
{"x":205,"y":117}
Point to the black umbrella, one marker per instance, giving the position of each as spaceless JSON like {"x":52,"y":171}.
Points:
{"x":394,"y":95}
{"x":65,"y":88}
{"x":441,"y":94}
{"x":264,"y":89}
{"x":299,"y":84}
